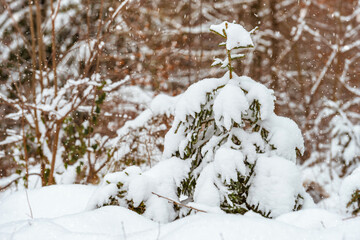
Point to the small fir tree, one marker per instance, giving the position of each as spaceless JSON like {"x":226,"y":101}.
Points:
{"x":227,"y":148}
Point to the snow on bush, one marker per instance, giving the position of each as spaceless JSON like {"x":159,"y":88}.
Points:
{"x":339,"y":120}
{"x":331,"y":162}
{"x":227,"y":150}
{"x":134,"y":189}
{"x":269,"y":189}
{"x":350,"y":193}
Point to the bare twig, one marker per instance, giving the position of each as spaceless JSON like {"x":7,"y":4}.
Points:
{"x":94,"y":55}
{"x":158,"y":236}
{"x":26,"y":155}
{"x":40,"y":43}
{"x":178,"y":203}
{"x":123,"y":229}
{"x":99,"y":34}
{"x":54,"y":152}
{"x":348,"y":218}
{"x":33,"y":51}
{"x":16,"y":26}
{"x":53,"y":17}
{"x":28,"y":202}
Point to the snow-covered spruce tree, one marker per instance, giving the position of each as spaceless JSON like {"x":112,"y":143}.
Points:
{"x":226,"y":149}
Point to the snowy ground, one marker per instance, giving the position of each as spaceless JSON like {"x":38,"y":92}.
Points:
{"x":59,"y":212}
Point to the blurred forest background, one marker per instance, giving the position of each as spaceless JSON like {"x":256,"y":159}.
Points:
{"x":75,"y":74}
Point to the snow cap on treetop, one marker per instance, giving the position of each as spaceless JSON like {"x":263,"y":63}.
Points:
{"x":235,"y":34}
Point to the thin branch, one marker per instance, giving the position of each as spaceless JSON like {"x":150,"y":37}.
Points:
{"x":26,"y":155}
{"x":107,"y":26}
{"x":53,"y":18}
{"x":28,"y":202}
{"x":54,"y":15}
{"x":33,"y":53}
{"x":17,"y":179}
{"x":123,"y":229}
{"x":16,"y":26}
{"x":40,"y":43}
{"x":99,"y":33}
{"x":178,"y":203}
{"x":348,"y":218}
{"x":117,"y":11}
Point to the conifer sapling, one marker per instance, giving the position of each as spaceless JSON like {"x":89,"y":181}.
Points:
{"x":227,"y":150}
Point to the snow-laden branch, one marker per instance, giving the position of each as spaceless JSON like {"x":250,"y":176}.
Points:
{"x":349,"y":47}
{"x":351,"y":16}
{"x":302,"y":23}
{"x":323,"y":72}
{"x":116,"y":12}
